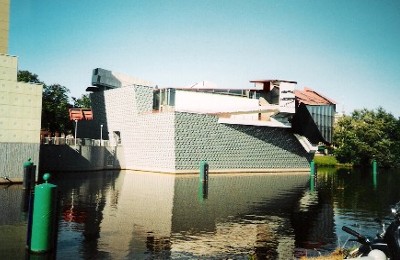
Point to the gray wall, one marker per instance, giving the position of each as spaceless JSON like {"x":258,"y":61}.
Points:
{"x":56,"y":158}
{"x":13,"y":156}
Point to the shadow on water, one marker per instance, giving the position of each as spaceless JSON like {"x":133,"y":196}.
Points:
{"x":132,"y":215}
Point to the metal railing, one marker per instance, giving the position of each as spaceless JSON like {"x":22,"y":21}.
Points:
{"x":71,"y":141}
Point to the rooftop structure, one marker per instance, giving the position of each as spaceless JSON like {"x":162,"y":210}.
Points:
{"x":309,"y":96}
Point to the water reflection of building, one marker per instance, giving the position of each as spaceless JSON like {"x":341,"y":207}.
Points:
{"x":317,"y":211}
{"x":12,"y":223}
{"x":82,"y":203}
{"x":144,"y":215}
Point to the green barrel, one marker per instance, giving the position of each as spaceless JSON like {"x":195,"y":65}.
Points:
{"x":44,"y":217}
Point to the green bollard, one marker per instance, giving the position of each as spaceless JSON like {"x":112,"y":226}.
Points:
{"x":29,"y":175}
{"x":202,"y":191}
{"x":374,"y":173}
{"x":374,"y":166}
{"x":312,"y":168}
{"x":44,"y":217}
{"x":203,"y":171}
{"x":312,"y":175}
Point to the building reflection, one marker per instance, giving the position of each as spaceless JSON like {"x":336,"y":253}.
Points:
{"x":145,"y":215}
{"x":132,"y":215}
{"x":12,"y":222}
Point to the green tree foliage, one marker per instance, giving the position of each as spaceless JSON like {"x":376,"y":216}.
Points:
{"x":55,"y":115}
{"x":26,"y":76}
{"x":82,"y":102}
{"x":55,"y":105}
{"x":368,"y":135}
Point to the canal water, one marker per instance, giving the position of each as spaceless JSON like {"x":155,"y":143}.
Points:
{"x":133,"y":215}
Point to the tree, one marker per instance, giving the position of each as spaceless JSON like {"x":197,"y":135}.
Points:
{"x":55,"y":116}
{"x":82,"y":102}
{"x":368,"y":135}
{"x":27,"y":76}
{"x":55,"y":105}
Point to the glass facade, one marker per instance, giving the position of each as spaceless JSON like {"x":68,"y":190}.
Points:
{"x":323,"y":116}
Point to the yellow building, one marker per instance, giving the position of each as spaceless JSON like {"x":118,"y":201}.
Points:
{"x":4,"y":22}
{"x":20,"y":111}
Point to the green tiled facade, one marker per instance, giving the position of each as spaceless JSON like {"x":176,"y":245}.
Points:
{"x":200,"y":137}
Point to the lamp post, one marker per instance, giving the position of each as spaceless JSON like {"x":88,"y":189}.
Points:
{"x":76,"y":130}
{"x":101,"y":134}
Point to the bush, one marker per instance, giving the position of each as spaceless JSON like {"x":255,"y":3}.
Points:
{"x":325,"y":161}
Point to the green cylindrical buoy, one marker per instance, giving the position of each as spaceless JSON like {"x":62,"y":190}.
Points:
{"x":313,"y":175}
{"x":29,"y":177}
{"x":44,"y":217}
{"x":312,"y":168}
{"x":203,"y":171}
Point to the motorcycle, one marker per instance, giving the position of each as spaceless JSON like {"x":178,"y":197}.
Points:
{"x":388,"y":241}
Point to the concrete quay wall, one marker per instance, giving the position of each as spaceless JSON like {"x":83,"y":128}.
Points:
{"x":12,"y":158}
{"x":64,"y":158}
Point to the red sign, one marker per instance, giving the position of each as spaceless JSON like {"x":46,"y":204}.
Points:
{"x":80,"y":114}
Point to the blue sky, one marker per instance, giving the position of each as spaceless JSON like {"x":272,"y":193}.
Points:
{"x":347,"y":50}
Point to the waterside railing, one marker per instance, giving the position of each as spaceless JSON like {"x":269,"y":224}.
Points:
{"x":71,"y":141}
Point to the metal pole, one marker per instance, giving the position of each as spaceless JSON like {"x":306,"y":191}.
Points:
{"x":76,"y":130}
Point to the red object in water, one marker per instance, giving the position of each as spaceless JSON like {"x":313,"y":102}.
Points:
{"x":71,"y":214}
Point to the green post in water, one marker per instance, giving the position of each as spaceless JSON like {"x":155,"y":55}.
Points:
{"x":312,"y":168}
{"x":374,"y":173}
{"x":203,"y":171}
{"x":202,"y":191}
{"x":29,"y":175}
{"x":312,"y":175}
{"x":374,"y":166}
{"x":44,"y":217}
